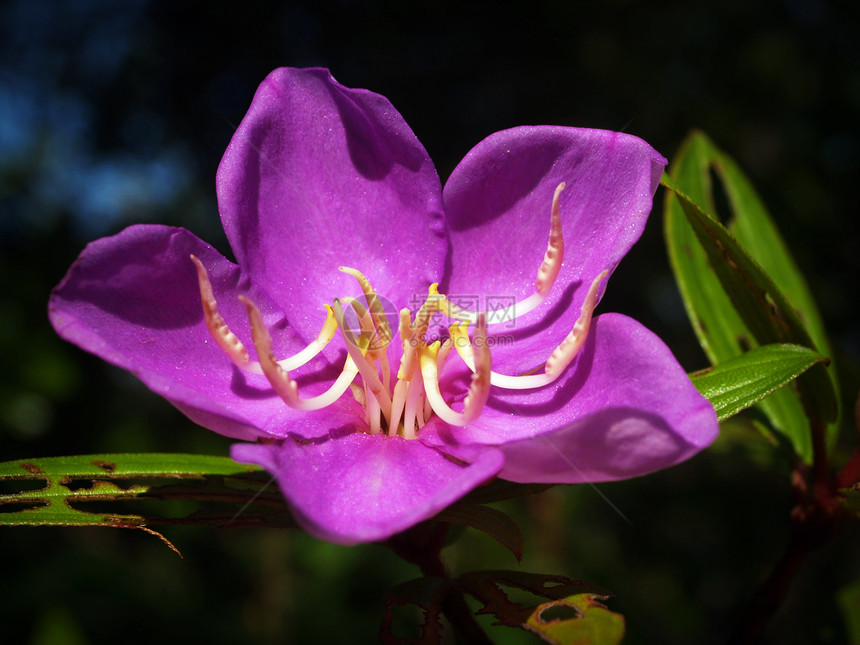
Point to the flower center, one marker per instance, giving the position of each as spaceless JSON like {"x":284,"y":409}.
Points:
{"x":403,"y":403}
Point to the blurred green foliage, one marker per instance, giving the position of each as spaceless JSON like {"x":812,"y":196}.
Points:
{"x":114,"y":113}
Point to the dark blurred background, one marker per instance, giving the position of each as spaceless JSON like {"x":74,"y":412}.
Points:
{"x":113,"y":113}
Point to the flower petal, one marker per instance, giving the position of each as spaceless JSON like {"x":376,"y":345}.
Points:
{"x":351,"y":487}
{"x":625,"y":408}
{"x":498,"y":202}
{"x":319,"y":176}
{"x":133,"y":300}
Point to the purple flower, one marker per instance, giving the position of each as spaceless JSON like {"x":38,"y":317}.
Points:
{"x":341,"y":232}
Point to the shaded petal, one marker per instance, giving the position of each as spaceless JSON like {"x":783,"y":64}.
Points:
{"x":498,"y":202}
{"x":351,"y":487}
{"x":319,"y":175}
{"x":133,"y":300}
{"x":625,"y":408}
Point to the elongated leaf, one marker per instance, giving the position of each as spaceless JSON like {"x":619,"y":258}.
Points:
{"x":741,"y":382}
{"x":753,"y":227}
{"x":755,"y":230}
{"x":124,"y":465}
{"x":721,"y":331}
{"x":74,"y":491}
{"x":732,"y":303}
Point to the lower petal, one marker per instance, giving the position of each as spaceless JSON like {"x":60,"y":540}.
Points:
{"x":350,"y":487}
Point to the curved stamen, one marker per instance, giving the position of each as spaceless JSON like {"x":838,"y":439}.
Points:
{"x":441,"y":359}
{"x":215,"y":323}
{"x":370,"y":341}
{"x":280,"y":380}
{"x":327,"y":332}
{"x":552,"y":259}
{"x":444,"y":351}
{"x":560,"y":358}
{"x":377,"y":313}
{"x":479,"y":390}
{"x":366,"y":369}
{"x":547,"y":273}
{"x":365,"y":337}
{"x":233,"y":347}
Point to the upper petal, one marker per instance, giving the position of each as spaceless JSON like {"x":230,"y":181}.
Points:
{"x":133,"y":300}
{"x":624,"y":408}
{"x":351,"y":487}
{"x":318,"y":176}
{"x":498,"y":202}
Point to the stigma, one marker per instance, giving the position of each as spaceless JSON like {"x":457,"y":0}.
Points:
{"x":402,"y":401}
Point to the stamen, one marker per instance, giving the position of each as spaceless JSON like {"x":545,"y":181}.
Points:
{"x":327,"y":332}
{"x":366,"y":369}
{"x":365,"y":338}
{"x":358,"y":393}
{"x":233,"y":347}
{"x":479,"y":391}
{"x":377,"y":313}
{"x":547,"y":273}
{"x":413,"y":402}
{"x":560,"y":358}
{"x":570,"y":346}
{"x":444,"y":351}
{"x":398,"y":403}
{"x":215,"y":323}
{"x":421,"y":405}
{"x":373,"y":414}
{"x":280,"y":380}
{"x":385,"y":368}
{"x":412,"y":333}
{"x":551,"y":265}
{"x":411,"y":341}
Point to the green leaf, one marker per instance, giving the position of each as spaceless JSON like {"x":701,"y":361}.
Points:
{"x":733,"y":304}
{"x":498,"y":525}
{"x":76,"y":491}
{"x":574,"y":613}
{"x":741,"y":382}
